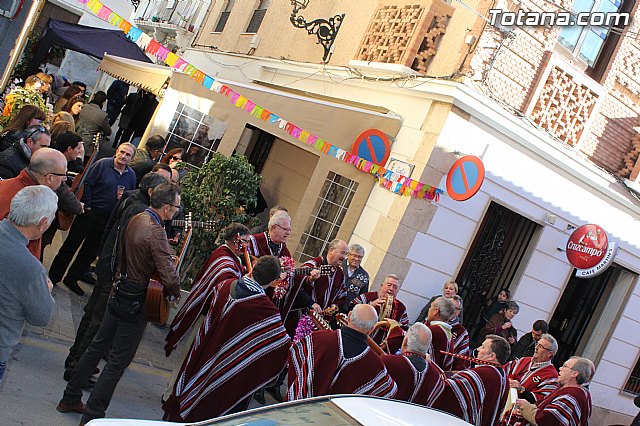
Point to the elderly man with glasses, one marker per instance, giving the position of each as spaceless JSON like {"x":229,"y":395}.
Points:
{"x":356,"y":279}
{"x":569,"y":404}
{"x":534,"y":377}
{"x":17,"y":157}
{"x":48,"y":167}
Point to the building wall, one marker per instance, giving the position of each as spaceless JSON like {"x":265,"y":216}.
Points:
{"x":519,"y":61}
{"x":530,"y":186}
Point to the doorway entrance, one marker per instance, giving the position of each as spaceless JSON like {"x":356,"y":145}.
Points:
{"x":587,"y":311}
{"x":493,"y":261}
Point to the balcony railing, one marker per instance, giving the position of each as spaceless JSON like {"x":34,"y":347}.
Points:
{"x":181,"y":13}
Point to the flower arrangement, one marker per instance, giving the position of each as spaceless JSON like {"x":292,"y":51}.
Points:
{"x":304,"y":328}
{"x":287,"y":266}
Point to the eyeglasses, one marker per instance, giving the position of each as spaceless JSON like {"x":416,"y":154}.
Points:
{"x":38,"y":129}
{"x":58,"y":174}
{"x":544,"y":347}
{"x":355,"y":256}
{"x":283,"y":228}
{"x":566,"y":366}
{"x":173,"y":157}
{"x":173,"y":205}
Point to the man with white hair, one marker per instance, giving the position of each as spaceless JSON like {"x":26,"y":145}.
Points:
{"x":440,"y":313}
{"x":356,"y":279}
{"x":535,"y":377}
{"x":419,"y":379}
{"x":570,"y":404}
{"x":273,"y":241}
{"x":25,"y":290}
{"x":330,"y":362}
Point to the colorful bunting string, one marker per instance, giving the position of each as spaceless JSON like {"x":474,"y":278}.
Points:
{"x":390,"y":180}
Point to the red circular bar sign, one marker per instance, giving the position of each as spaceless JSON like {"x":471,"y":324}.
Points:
{"x":587,"y":246}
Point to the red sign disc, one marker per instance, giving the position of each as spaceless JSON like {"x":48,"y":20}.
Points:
{"x":587,"y":246}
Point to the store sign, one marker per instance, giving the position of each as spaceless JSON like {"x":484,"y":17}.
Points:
{"x":587,"y":246}
{"x":602,"y":266}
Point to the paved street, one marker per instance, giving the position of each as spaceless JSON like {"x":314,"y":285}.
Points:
{"x":33,"y":383}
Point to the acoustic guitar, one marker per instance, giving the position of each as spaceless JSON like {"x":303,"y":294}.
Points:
{"x":325,"y":270}
{"x":156,"y":305}
{"x":65,"y":219}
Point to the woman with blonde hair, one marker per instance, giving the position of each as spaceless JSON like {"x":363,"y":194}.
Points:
{"x":62,"y":122}
{"x":449,"y":290}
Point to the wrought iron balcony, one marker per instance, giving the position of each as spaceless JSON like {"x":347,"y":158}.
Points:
{"x":171,"y":14}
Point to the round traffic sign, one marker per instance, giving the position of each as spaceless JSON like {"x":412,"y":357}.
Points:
{"x":587,"y":246}
{"x":372,"y":145}
{"x":465,"y":178}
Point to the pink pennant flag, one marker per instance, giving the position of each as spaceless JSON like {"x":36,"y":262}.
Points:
{"x":104,"y":13}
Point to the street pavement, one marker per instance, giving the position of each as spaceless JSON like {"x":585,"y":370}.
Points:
{"x":33,"y":383}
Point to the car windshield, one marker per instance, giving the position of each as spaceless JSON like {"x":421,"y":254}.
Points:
{"x":320,"y":412}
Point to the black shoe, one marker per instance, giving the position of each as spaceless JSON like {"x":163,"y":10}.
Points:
{"x":88,"y":278}
{"x":259,"y":396}
{"x":72,"y":285}
{"x":274,"y":391}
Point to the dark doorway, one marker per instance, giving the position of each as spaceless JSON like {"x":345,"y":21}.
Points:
{"x":259,"y":148}
{"x":493,"y":261}
{"x":579,"y":303}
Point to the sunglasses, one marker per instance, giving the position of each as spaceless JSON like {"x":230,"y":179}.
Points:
{"x":173,"y":157}
{"x":38,"y":129}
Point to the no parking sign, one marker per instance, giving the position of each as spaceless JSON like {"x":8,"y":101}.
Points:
{"x":373,"y":145}
{"x":465,"y":178}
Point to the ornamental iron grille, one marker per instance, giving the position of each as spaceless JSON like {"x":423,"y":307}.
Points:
{"x":326,"y":30}
{"x":493,"y":261}
{"x":328,"y":213}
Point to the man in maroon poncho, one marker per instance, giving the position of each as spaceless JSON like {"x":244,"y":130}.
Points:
{"x":241,"y":346}
{"x":223,"y":264}
{"x":534,"y":377}
{"x":478,"y":395}
{"x":570,"y":404}
{"x":419,"y":380}
{"x":377,"y":299}
{"x":318,"y":291}
{"x":335,"y":362}
{"x":460,"y":339}
{"x":438,"y":317}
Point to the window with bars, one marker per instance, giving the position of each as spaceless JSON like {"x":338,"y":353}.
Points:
{"x":633,"y":384}
{"x":197,"y":133}
{"x":258,"y":16}
{"x":224,"y":17}
{"x":326,"y":217}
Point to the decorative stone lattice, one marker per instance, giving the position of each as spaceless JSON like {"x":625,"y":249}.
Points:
{"x":563,"y":106}
{"x":429,"y":44}
{"x":631,"y":159}
{"x":405,"y":34}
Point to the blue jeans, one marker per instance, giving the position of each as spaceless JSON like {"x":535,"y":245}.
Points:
{"x":3,"y":368}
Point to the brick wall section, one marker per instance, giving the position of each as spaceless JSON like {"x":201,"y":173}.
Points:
{"x":605,"y":135}
{"x":405,"y":34}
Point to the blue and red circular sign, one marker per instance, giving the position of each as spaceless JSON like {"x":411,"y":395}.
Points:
{"x":372,"y":145}
{"x":465,"y":178}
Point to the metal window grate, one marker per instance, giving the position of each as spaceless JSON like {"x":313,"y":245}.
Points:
{"x":222,"y":22}
{"x":256,"y":20}
{"x":633,"y":384}
{"x":326,"y":219}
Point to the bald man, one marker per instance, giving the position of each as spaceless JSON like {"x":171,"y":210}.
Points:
{"x":48,"y":167}
{"x":419,"y":379}
{"x":331,"y":362}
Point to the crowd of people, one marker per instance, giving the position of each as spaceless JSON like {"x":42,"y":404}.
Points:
{"x":241,"y":331}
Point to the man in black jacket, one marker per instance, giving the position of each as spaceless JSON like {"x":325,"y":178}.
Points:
{"x":527,"y":343}
{"x":17,"y":157}
{"x":132,"y":203}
